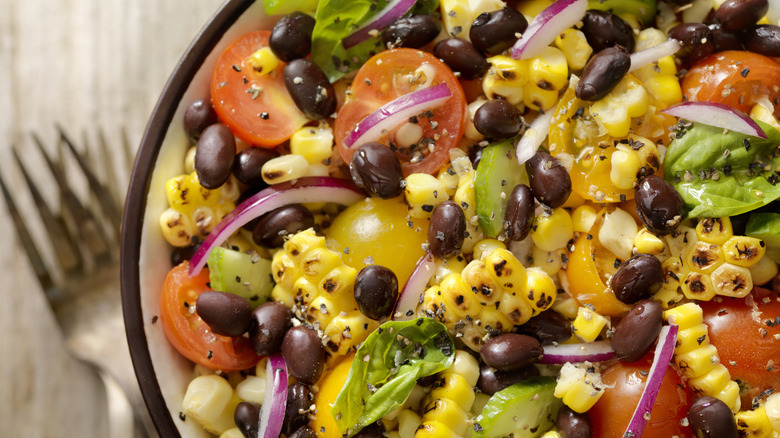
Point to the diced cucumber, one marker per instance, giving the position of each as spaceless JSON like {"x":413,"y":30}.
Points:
{"x":247,"y":275}
{"x":526,"y":409}
{"x":766,"y":226}
{"x":643,"y":9}
{"x":497,"y":175}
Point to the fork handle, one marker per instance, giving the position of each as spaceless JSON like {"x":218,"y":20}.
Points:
{"x":121,"y":421}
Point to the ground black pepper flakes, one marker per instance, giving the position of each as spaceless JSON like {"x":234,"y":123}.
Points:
{"x":745,"y":71}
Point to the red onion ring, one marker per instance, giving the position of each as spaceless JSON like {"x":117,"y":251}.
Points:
{"x":546,"y":26}
{"x":409,"y":297}
{"x":275,"y":399}
{"x":717,"y":115}
{"x":599,"y":351}
{"x":393,"y":11}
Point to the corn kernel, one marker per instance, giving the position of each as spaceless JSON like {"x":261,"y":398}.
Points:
{"x":540,"y":290}
{"x":772,"y":407}
{"x":714,"y":230}
{"x":583,"y":218}
{"x":759,"y":112}
{"x":625,"y":165}
{"x":711,"y":382}
{"x":449,"y":179}
{"x":685,"y":316}
{"x":315,"y":144}
{"x":548,"y":70}
{"x":764,"y":271}
{"x":703,"y":257}
{"x":516,"y":308}
{"x":692,"y":337}
{"x":505,"y":79}
{"x":549,"y":261}
{"x":578,"y":387}
{"x":263,"y":61}
{"x":537,"y":98}
{"x":575,"y":47}
{"x":744,"y":251}
{"x":189,"y":160}
{"x":681,"y":240}
{"x":251,"y":389}
{"x":553,"y":232}
{"x":408,"y":422}
{"x":730,"y":396}
{"x":434,"y":429}
{"x":617,"y":233}
{"x":697,"y":286}
{"x":665,"y":88}
{"x":205,"y":400}
{"x":628,"y":99}
{"x":284,"y":168}
{"x":646,"y":242}
{"x":471,"y":132}
{"x":422,"y":193}
{"x":753,"y":424}
{"x":698,"y":361}
{"x":456,"y":388}
{"x":731,"y":280}
{"x":588,"y":324}
{"x":447,"y":412}
{"x":466,"y":366}
{"x":232,"y":433}
{"x":177,"y":228}
{"x":486,"y":246}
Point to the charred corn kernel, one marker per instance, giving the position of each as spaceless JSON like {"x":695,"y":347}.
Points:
{"x":628,"y":99}
{"x":743,"y":251}
{"x":539,"y":99}
{"x":284,"y":168}
{"x":668,"y":296}
{"x":422,"y":193}
{"x":772,"y":407}
{"x":549,"y":261}
{"x":692,"y":337}
{"x":232,"y":433}
{"x":646,"y":242}
{"x":263,"y":61}
{"x":471,"y":132}
{"x":185,"y":194}
{"x":703,"y":257}
{"x":434,"y":429}
{"x":485,"y":246}
{"x":205,"y":220}
{"x":625,"y":165}
{"x":516,"y":308}
{"x":320,"y":311}
{"x":764,"y":271}
{"x":455,"y":387}
{"x":251,"y":389}
{"x":346,"y":330}
{"x":408,"y":422}
{"x":177,"y":228}
{"x":464,"y":365}
{"x":507,"y":272}
{"x":505,"y":79}
{"x":566,"y":305}
{"x":466,"y":198}
{"x":548,"y":70}
{"x":588,"y":324}
{"x":681,"y":240}
{"x":492,"y":320}
{"x":583,"y":218}
{"x":540,"y":290}
{"x":578,"y":386}
{"x":760,"y":112}
{"x":206,"y":399}
{"x":554,"y":231}
{"x":712,"y":381}
{"x":617,"y":233}
{"x":458,"y":14}
{"x":449,"y":178}
{"x":575,"y":48}
{"x":731,"y":280}
{"x":447,"y":266}
{"x":698,"y":361}
{"x":754,"y":424}
{"x":453,"y":297}
{"x":315,"y":144}
{"x":447,"y":412}
{"x":189,"y":160}
{"x":714,"y":230}
{"x":697,"y":286}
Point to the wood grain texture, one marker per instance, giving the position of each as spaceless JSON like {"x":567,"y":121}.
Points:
{"x":87,"y":65}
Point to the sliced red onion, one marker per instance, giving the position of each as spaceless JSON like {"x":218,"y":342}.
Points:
{"x":409,"y":297}
{"x":653,"y":54}
{"x":395,"y":112}
{"x":309,"y":189}
{"x":533,"y":136}
{"x":661,"y":358}
{"x":717,"y":115}
{"x":275,"y":400}
{"x":393,"y":11}
{"x":599,"y":351}
{"x":546,"y":26}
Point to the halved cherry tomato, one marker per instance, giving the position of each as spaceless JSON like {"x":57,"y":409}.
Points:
{"x":257,"y":107}
{"x":625,"y":382}
{"x":189,"y":334}
{"x":735,"y":78}
{"x":746,"y":332}
{"x":392,"y":74}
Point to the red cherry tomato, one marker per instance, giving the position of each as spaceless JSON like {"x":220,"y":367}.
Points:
{"x":257,"y":107}
{"x":392,"y":74}
{"x":738,"y":79}
{"x":189,"y":334}
{"x":624,"y":383}
{"x":746,"y":332}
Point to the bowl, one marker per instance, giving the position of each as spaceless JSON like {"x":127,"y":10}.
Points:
{"x":163,"y":374}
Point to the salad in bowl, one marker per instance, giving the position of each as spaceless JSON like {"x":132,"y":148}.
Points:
{"x":463,"y":218}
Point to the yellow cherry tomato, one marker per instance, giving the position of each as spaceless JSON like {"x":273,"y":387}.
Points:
{"x":329,"y":387}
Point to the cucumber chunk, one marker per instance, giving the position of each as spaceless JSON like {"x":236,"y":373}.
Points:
{"x":766,"y":226}
{"x":497,"y":175}
{"x":526,"y":409}
{"x":246,"y":275}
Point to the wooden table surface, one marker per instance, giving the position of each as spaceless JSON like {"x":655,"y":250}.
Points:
{"x":87,"y":65}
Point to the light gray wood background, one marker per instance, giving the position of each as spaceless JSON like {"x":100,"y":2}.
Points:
{"x":87,"y":65}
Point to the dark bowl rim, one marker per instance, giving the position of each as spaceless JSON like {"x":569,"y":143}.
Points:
{"x":135,"y":206}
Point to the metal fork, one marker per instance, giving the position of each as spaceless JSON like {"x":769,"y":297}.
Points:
{"x":83,"y":289}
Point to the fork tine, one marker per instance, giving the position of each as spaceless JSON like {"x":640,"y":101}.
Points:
{"x":128,"y":150}
{"x":65,"y":250}
{"x":114,"y":179}
{"x":81,"y":219}
{"x":99,"y":190}
{"x":44,"y":277}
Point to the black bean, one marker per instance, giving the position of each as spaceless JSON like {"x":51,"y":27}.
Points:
{"x":637,"y":278}
{"x":602,"y":73}
{"x":376,"y":169}
{"x":373,"y":430}
{"x":637,"y":331}
{"x":549,"y":181}
{"x":763,"y":39}
{"x":249,"y":163}
{"x":273,"y":226}
{"x":491,"y":380}
{"x":303,"y":432}
{"x":296,"y":413}
{"x":462,"y":57}
{"x":291,"y":36}
{"x":447,"y":229}
{"x":574,"y":425}
{"x":498,"y":119}
{"x":603,"y":30}
{"x":227,"y":314}
{"x":376,"y":290}
{"x":740,"y":14}
{"x":214,"y":155}
{"x":511,"y":351}
{"x":519,"y":216}
{"x":493,"y":32}
{"x":414,"y":32}
{"x":180,"y":254}
{"x":723,"y":39}
{"x":696,"y":41}
{"x":270,"y":322}
{"x":247,"y":418}
{"x":310,"y":89}
{"x":475,"y":155}
{"x":710,"y":417}
{"x":198,"y":116}
{"x":304,"y":353}
{"x":658,"y":205}
{"x":548,"y":327}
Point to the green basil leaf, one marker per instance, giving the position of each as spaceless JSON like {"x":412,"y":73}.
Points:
{"x":283,"y":7}
{"x":723,"y":174}
{"x":386,"y":368}
{"x":336,"y":20}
